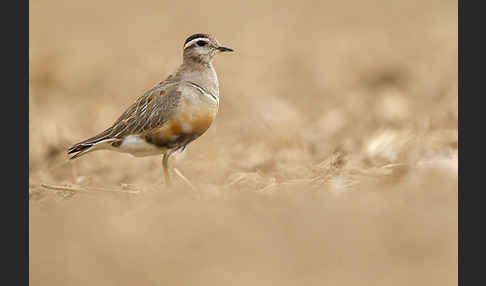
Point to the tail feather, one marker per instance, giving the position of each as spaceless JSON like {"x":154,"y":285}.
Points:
{"x":78,"y":147}
{"x":79,"y":150}
{"x":90,"y":144}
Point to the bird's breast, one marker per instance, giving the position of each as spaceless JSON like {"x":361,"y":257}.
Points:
{"x":190,"y":121}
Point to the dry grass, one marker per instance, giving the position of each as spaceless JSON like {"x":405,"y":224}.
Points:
{"x":333,"y":160}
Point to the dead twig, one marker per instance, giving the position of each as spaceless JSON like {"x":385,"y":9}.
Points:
{"x":71,"y":188}
{"x":185,"y":179}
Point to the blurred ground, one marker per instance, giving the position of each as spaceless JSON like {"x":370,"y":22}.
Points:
{"x":333,"y":159}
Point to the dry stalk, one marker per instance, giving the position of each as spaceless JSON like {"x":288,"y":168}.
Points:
{"x":71,"y":188}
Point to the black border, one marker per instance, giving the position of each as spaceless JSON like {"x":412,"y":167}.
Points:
{"x":15,"y":138}
{"x":470,"y":204}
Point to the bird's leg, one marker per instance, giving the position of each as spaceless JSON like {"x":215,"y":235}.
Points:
{"x":165,"y":165}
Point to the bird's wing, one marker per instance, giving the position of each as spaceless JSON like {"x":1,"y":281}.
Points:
{"x":149,"y":111}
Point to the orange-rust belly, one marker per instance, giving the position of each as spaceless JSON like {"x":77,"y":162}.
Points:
{"x":183,"y":126}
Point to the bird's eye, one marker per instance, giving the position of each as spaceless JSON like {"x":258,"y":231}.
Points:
{"x":201,"y":43}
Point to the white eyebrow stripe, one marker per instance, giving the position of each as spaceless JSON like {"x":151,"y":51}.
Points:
{"x":195,"y":40}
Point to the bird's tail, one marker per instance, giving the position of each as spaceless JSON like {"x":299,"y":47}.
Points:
{"x":79,"y":150}
{"x":91,"y":144}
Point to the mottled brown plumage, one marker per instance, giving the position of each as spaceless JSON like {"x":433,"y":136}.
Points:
{"x":148,"y":112}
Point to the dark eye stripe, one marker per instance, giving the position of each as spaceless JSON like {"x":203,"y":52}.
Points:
{"x":201,"y":43}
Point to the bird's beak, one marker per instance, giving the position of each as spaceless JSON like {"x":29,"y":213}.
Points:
{"x":224,"y":49}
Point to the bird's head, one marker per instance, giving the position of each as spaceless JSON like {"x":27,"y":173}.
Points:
{"x":202,"y":48}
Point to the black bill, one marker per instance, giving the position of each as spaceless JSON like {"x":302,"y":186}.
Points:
{"x":224,"y":49}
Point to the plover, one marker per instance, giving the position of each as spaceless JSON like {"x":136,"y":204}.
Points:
{"x":170,"y":115}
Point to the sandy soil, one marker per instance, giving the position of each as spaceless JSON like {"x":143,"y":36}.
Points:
{"x":333,"y":159}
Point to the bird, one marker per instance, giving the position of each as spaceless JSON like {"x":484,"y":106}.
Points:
{"x":169,"y":116}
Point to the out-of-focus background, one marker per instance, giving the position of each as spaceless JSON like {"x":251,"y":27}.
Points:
{"x":333,"y":159}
